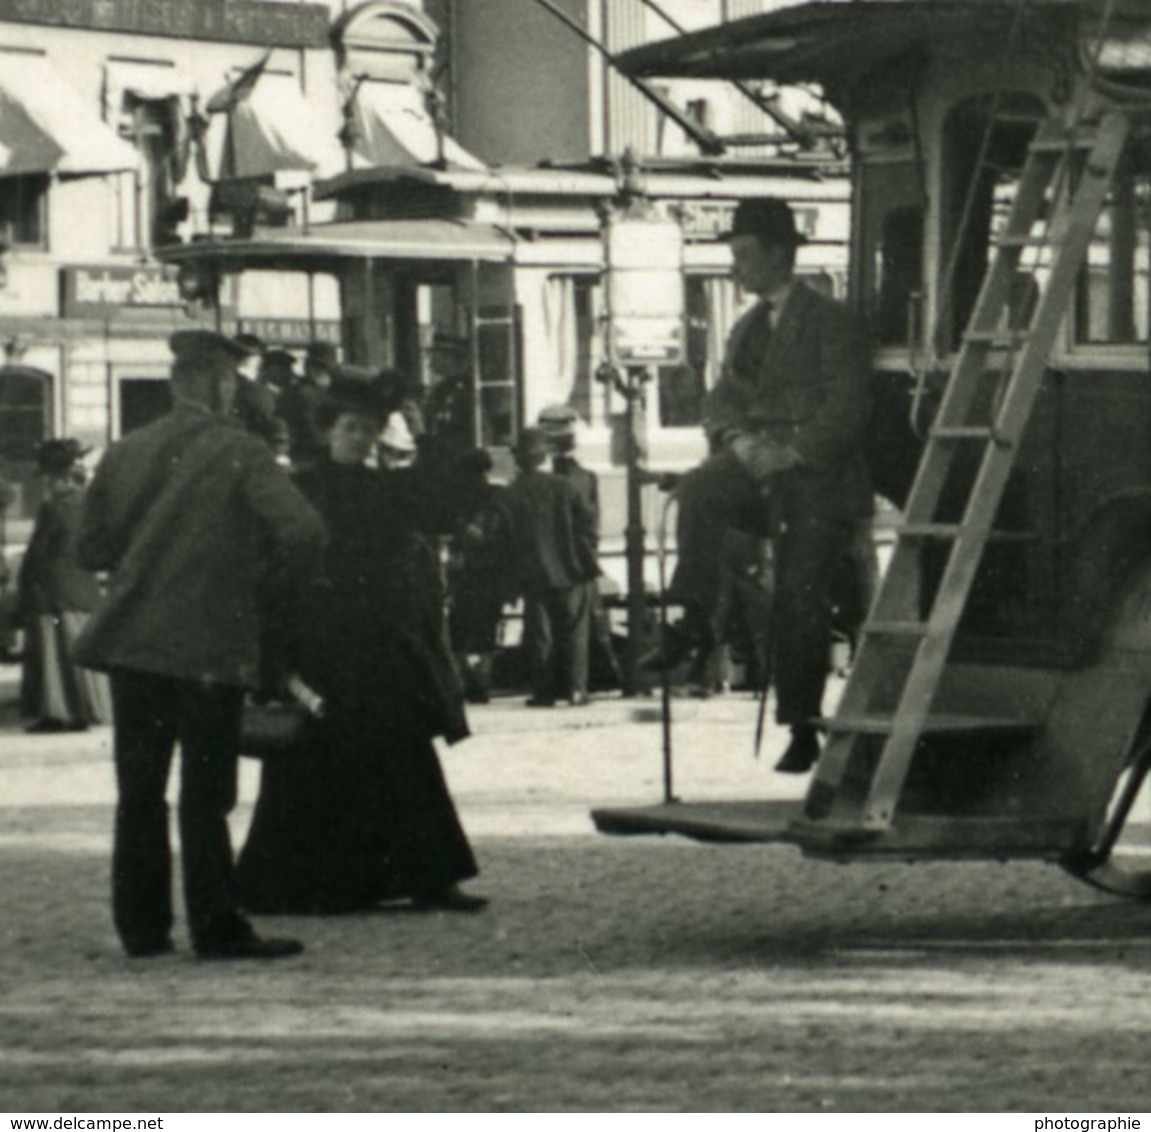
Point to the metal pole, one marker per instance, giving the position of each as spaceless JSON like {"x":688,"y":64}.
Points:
{"x":634,"y":532}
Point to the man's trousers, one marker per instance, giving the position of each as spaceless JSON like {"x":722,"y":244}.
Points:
{"x":152,"y":714}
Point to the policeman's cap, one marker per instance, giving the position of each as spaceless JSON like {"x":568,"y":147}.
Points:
{"x":203,"y":345}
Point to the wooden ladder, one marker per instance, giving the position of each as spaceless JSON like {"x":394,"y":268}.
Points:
{"x":1061,"y":191}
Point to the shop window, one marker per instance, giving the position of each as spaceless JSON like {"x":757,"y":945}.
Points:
{"x":1113,"y":295}
{"x":497,"y":386}
{"x":588,"y":298}
{"x":25,"y":412}
{"x":22,"y":210}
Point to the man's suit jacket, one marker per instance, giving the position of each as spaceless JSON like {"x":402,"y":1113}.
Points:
{"x":810,"y":391}
{"x":179,"y":511}
{"x":550,"y":530}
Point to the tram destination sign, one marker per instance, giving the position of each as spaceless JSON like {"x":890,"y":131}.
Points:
{"x":228,"y":21}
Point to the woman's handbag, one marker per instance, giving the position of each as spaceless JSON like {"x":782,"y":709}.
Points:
{"x":269,"y":731}
{"x":274,"y":729}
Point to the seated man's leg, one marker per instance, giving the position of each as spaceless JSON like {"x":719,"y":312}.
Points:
{"x":144,"y":715}
{"x":806,"y":556}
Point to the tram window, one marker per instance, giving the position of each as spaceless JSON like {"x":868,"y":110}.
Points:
{"x":1113,"y":295}
{"x":983,"y":158}
{"x":892,"y":260}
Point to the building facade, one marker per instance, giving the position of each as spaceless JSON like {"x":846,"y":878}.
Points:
{"x":425,"y":184}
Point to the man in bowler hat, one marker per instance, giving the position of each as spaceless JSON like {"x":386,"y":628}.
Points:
{"x":178,"y":512}
{"x":791,"y":410}
{"x":549,"y":527}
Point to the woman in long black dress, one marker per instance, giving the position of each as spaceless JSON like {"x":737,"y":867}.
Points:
{"x":362,"y":814}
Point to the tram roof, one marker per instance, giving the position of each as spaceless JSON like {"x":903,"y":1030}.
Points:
{"x":322,"y":245}
{"x":835,"y":42}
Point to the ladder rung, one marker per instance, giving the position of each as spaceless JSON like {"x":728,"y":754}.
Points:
{"x":1072,"y":139}
{"x":1008,"y":338}
{"x":947,"y":723}
{"x":945,"y":532}
{"x":1026,"y":240}
{"x":896,"y":628}
{"x":967,"y":432}
{"x":929,"y":530}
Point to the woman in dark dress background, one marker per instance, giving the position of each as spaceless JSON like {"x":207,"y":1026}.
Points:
{"x":363,"y":814}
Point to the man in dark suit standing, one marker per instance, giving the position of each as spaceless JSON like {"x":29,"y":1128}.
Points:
{"x":792,"y":408}
{"x":558,"y":423}
{"x":178,"y":512}
{"x":550,"y":529}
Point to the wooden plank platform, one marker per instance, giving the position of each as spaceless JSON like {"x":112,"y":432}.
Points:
{"x":704,"y":821}
{"x":912,"y":837}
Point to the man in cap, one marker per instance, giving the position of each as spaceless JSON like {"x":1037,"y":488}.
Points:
{"x":299,"y":402}
{"x":550,"y":529}
{"x":178,"y":511}
{"x":792,"y":408}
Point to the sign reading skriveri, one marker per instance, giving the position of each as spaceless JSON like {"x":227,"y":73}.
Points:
{"x":645,"y":291}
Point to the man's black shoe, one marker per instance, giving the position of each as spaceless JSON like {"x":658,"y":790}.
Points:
{"x":802,"y":752}
{"x":539,"y":701}
{"x":251,"y":947}
{"x":149,"y":948}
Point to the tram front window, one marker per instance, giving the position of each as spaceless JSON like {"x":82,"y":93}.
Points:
{"x":985,"y":144}
{"x":1113,"y":295}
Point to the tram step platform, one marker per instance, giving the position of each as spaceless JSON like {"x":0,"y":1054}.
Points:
{"x":704,"y":821}
{"x":944,"y":723}
{"x":910,"y":837}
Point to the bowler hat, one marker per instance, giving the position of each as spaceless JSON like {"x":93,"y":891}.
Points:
{"x":532,"y":447}
{"x":55,"y":457}
{"x":769,"y":218}
{"x":198,"y":345}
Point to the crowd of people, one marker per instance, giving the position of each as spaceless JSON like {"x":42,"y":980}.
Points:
{"x":279,"y":537}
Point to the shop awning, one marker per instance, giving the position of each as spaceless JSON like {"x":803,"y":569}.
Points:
{"x":271,"y":128}
{"x":391,"y":126}
{"x":325,"y":246}
{"x":45,"y":127}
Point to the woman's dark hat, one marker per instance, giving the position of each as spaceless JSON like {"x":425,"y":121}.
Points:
{"x":769,"y":218}
{"x":355,"y":389}
{"x":55,"y":457}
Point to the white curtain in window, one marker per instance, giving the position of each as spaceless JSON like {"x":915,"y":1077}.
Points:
{"x":561,"y":343}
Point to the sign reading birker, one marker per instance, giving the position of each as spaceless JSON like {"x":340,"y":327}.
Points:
{"x":229,"y":21}
{"x":106,"y":291}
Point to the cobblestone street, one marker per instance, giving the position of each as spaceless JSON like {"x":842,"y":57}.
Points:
{"x":608,"y":974}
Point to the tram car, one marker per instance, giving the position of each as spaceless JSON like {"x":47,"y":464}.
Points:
{"x":997,"y":706}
